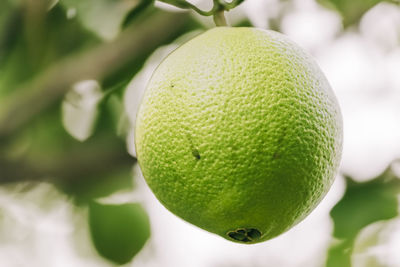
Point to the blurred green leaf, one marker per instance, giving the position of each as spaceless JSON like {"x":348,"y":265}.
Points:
{"x":109,"y":63}
{"x":44,"y":142}
{"x":244,"y":23}
{"x":28,"y":47}
{"x":103,"y":17}
{"x":351,"y":10}
{"x":365,"y":203}
{"x":45,"y":151}
{"x":101,"y":185}
{"x":118,"y":232}
{"x":362,"y":204}
{"x":5,"y":10}
{"x":141,"y":10}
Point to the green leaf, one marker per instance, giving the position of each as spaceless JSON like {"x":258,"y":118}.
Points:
{"x":351,"y":10}
{"x":102,"y":185}
{"x":5,"y":9}
{"x":52,"y":37}
{"x":103,"y":17}
{"x":95,"y":168}
{"x":118,"y":232}
{"x":362,"y":204}
{"x":365,"y":203}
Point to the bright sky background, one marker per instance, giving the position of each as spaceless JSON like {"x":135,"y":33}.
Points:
{"x":364,"y":71}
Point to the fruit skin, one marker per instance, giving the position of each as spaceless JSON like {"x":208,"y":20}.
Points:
{"x":239,"y":133}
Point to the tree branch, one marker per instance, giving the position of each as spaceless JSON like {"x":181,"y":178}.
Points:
{"x":89,"y":160}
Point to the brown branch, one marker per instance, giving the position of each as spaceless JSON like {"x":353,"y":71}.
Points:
{"x":86,"y":161}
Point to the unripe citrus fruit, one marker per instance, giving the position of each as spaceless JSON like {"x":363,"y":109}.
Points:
{"x":239,"y":133}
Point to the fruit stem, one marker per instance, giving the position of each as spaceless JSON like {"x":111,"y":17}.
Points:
{"x":219,"y":18}
{"x":217,"y":11}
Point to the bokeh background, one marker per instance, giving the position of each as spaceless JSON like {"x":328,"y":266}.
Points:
{"x":72,"y":73}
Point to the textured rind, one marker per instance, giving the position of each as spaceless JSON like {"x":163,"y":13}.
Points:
{"x":239,"y":128}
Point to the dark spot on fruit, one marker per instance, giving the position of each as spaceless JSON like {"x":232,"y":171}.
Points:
{"x":254,"y":234}
{"x":196,"y":153}
{"x":237,"y":236}
{"x":245,"y":235}
{"x":241,"y":231}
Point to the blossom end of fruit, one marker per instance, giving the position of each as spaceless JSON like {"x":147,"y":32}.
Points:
{"x":244,"y":235}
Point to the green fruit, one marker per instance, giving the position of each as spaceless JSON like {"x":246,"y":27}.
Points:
{"x":239,"y":133}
